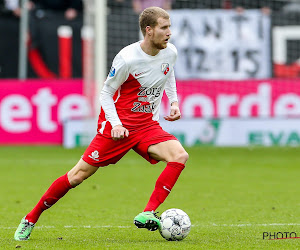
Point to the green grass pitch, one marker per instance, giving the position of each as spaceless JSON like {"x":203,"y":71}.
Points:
{"x":232,"y":195}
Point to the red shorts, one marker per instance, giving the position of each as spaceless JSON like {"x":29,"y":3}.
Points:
{"x":103,"y":151}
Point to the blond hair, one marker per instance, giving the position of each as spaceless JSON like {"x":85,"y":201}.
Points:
{"x":149,"y":17}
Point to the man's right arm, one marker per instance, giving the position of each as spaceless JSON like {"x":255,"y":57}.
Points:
{"x":115,"y":79}
{"x":108,"y":105}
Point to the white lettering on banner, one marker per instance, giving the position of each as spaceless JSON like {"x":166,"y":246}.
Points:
{"x":261,"y":99}
{"x":287,"y":105}
{"x":225,"y":102}
{"x":198,"y":100}
{"x":266,"y":101}
{"x":44,"y":101}
{"x":221,"y":44}
{"x":16,"y":111}
{"x":74,"y":106}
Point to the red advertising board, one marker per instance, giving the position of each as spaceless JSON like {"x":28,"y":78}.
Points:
{"x":32,"y":111}
{"x":246,"y":99}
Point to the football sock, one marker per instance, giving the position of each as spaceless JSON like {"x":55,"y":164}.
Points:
{"x":164,"y":185}
{"x":57,"y":190}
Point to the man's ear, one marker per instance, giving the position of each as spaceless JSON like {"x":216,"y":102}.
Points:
{"x":149,"y":30}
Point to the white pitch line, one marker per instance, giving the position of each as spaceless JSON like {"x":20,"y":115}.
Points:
{"x":194,"y":225}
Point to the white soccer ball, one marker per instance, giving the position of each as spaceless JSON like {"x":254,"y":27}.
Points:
{"x":175,"y":224}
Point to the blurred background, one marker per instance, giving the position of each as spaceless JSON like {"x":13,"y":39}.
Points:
{"x":238,"y":69}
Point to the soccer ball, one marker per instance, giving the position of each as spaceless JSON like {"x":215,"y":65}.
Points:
{"x":175,"y":224}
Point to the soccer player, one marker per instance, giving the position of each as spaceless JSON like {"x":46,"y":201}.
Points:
{"x":128,"y":119}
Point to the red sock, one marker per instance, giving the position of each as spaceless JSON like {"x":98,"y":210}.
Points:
{"x":57,"y":190}
{"x":164,"y":185}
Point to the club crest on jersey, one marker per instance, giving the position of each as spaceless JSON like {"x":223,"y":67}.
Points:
{"x":94,"y":155}
{"x":165,"y":68}
{"x":112,"y":72}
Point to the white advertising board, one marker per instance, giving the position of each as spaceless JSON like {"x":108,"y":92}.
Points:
{"x":78,"y":132}
{"x":236,"y":132}
{"x":195,"y":132}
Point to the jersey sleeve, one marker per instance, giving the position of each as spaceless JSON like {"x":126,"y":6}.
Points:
{"x":118,"y":73}
{"x":171,"y":89}
{"x":108,"y":105}
{"x":116,"y":77}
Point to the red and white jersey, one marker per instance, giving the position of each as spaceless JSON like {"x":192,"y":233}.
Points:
{"x":136,"y":83}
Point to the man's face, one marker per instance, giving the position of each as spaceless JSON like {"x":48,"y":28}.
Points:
{"x":161,"y":33}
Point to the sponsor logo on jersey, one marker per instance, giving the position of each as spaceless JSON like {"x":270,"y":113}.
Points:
{"x":94,"y":155}
{"x":145,"y":96}
{"x":112,"y":72}
{"x":165,"y":68}
{"x":146,"y":108}
{"x":139,"y":73}
{"x":144,"y":91}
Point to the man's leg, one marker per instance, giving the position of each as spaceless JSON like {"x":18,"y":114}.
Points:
{"x":164,"y":185}
{"x":57,"y":190}
{"x":174,"y":154}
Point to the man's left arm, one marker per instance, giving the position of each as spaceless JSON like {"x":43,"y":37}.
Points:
{"x":171,"y":92}
{"x":174,"y":112}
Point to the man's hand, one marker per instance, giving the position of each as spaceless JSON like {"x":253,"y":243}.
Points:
{"x":174,"y":113}
{"x":118,"y":132}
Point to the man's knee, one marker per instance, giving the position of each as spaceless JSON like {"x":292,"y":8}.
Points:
{"x":80,"y":172}
{"x":182,"y":156}
{"x":179,"y":155}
